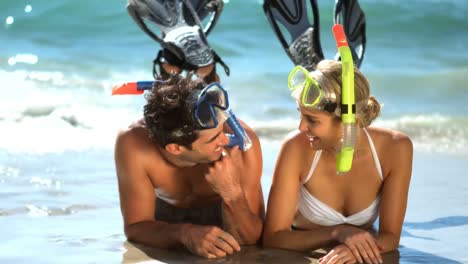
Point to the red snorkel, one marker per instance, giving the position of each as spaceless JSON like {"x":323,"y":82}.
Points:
{"x":132,"y":87}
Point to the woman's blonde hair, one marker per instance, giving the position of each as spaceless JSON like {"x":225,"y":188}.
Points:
{"x":367,"y":106}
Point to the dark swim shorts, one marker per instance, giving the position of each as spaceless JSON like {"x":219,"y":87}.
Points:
{"x":208,"y":215}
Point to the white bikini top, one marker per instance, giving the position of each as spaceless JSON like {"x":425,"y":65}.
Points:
{"x":321,"y":214}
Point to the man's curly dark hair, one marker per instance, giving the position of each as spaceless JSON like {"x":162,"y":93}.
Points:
{"x":167,"y":113}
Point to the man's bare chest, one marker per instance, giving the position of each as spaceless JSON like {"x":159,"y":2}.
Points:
{"x":185,"y":187}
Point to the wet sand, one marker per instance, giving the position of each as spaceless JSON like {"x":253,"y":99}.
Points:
{"x":136,"y":253}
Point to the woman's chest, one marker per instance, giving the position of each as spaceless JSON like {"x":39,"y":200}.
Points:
{"x":348,"y":193}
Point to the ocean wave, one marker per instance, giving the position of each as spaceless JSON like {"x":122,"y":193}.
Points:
{"x":433,"y":133}
{"x":96,"y":129}
{"x":429,"y":133}
{"x":33,"y":210}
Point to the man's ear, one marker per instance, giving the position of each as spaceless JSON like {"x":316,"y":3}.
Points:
{"x":174,"y":148}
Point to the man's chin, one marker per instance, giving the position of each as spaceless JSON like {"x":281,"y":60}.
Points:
{"x":218,"y":157}
{"x":211,"y":159}
{"x":219,"y":153}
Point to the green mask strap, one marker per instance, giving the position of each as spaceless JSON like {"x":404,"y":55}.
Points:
{"x":348,"y":106}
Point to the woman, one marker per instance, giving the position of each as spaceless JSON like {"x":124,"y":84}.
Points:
{"x":311,"y":206}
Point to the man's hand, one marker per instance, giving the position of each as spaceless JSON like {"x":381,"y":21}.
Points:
{"x":224,"y":175}
{"x":208,"y":241}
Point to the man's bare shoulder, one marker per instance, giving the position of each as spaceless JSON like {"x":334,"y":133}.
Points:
{"x":250,"y":132}
{"x":135,"y":131}
{"x":252,"y":135}
{"x":137,"y":157}
{"x":133,"y":139}
{"x":252,"y":159}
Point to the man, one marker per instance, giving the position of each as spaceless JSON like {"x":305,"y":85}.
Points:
{"x":179,"y":183}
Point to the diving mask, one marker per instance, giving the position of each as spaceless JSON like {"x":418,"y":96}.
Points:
{"x":211,"y":104}
{"x":306,"y":89}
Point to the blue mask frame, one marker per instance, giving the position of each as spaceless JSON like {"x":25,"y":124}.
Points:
{"x":209,"y":102}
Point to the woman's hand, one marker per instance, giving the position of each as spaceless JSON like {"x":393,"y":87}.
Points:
{"x":339,"y":255}
{"x":361,"y":243}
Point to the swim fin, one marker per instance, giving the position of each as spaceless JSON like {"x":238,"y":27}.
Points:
{"x":291,"y":15}
{"x":205,"y":9}
{"x":182,"y":36}
{"x":349,"y":14}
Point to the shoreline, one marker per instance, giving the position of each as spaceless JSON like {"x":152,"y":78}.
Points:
{"x":136,"y":253}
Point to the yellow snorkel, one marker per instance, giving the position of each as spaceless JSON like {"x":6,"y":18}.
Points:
{"x":348,"y":105}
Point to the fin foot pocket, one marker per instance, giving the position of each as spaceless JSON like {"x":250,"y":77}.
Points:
{"x":350,"y":15}
{"x":182,"y":37}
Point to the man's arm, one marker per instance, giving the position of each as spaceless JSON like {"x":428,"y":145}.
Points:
{"x":137,"y":202}
{"x":245,"y":213}
{"x":243,"y":222}
{"x":137,"y":195}
{"x":236,"y":178}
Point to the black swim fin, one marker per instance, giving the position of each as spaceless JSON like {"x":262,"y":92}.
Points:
{"x":209,"y":10}
{"x":349,"y":14}
{"x":182,"y":36}
{"x":304,"y":47}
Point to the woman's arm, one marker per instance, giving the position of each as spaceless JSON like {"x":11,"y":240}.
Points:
{"x":395,"y":191}
{"x":282,"y":203}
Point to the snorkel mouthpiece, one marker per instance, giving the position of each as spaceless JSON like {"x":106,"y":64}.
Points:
{"x":344,"y":159}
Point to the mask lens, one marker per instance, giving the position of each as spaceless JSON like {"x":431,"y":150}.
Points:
{"x":312,"y":95}
{"x":212,"y":99}
{"x":297,"y":80}
{"x":215,"y":95}
{"x":206,"y":116}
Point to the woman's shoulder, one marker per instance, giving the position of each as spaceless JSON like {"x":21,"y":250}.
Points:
{"x":295,"y":157}
{"x":394,"y":148}
{"x":296,"y":145}
{"x":296,"y":139}
{"x":389,"y":138}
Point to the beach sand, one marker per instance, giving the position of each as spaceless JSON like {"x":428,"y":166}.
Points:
{"x":248,"y":255}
